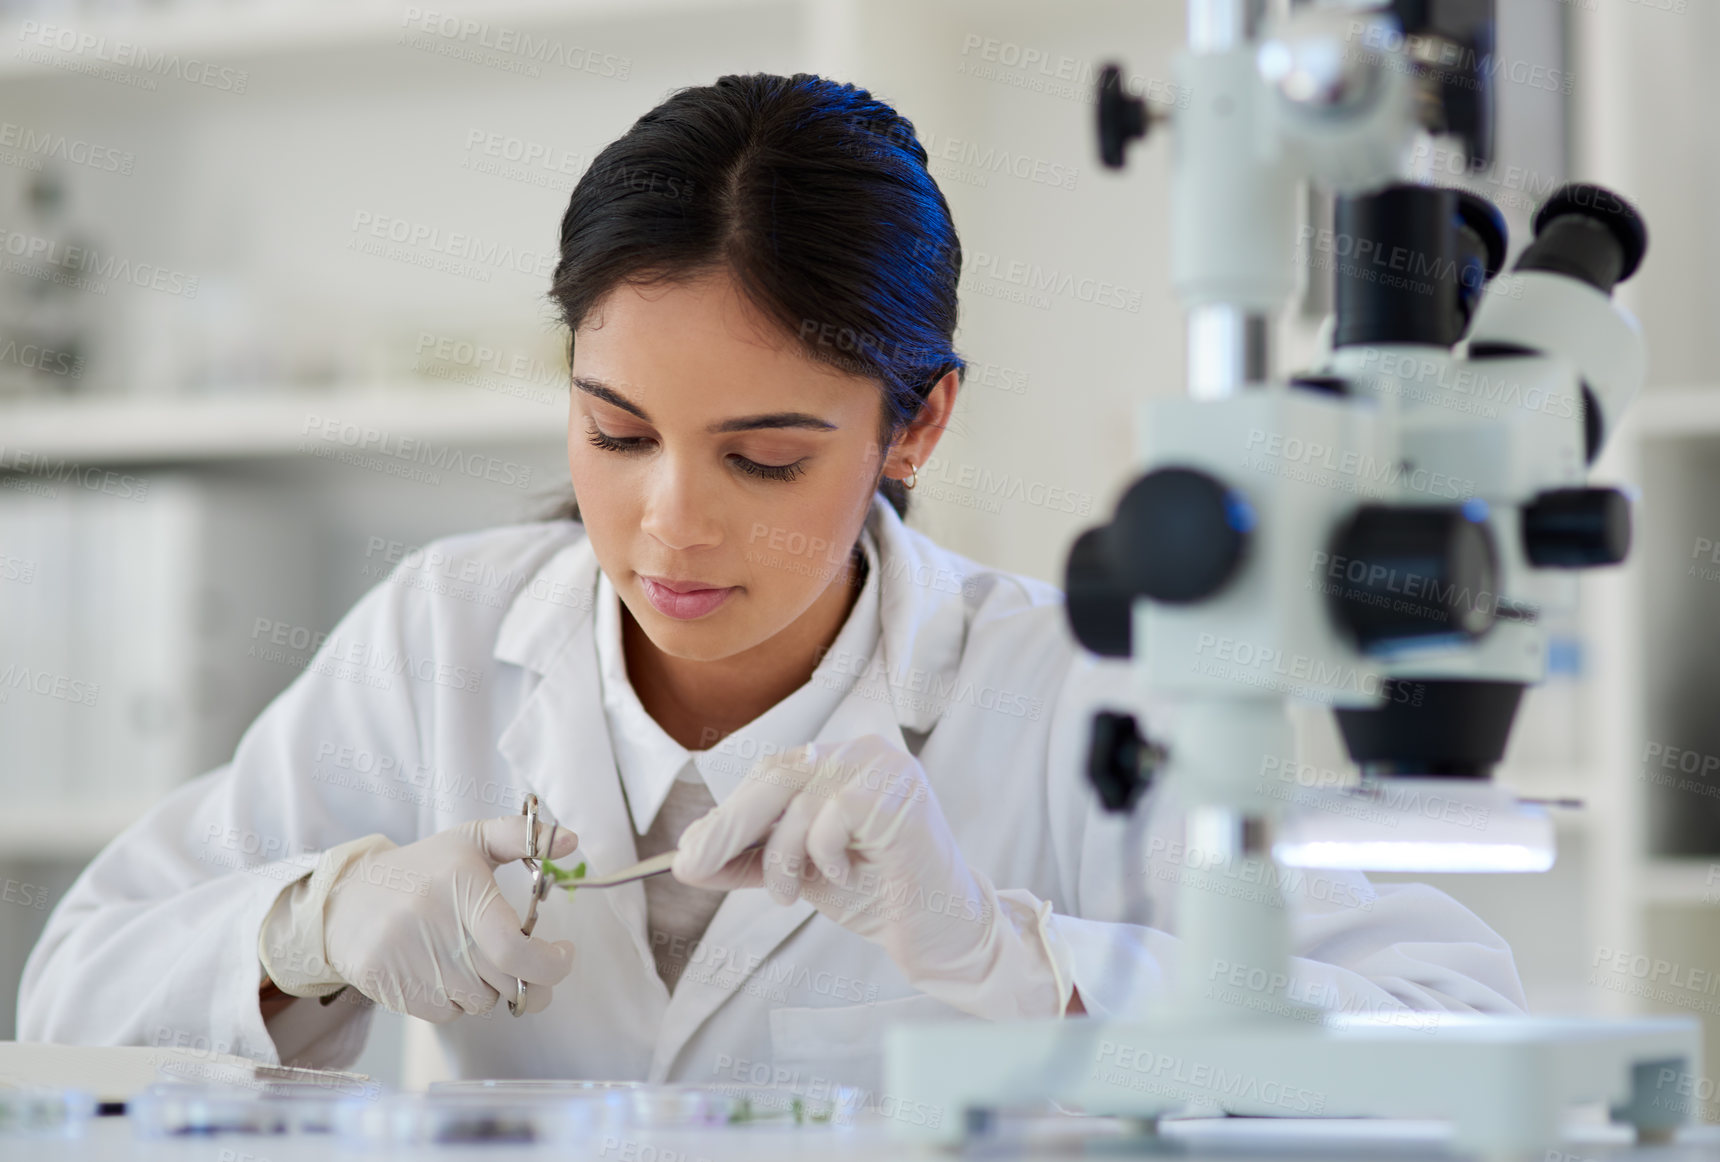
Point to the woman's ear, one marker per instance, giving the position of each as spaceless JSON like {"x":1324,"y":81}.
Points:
{"x":915,"y":446}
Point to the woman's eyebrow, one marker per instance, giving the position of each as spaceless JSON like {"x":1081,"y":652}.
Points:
{"x":739,"y":424}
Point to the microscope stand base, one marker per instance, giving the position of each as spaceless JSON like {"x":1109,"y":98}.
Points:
{"x":1505,"y":1083}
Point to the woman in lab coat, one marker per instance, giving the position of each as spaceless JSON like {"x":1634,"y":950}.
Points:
{"x":760,"y":283}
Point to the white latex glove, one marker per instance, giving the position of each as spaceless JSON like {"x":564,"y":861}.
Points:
{"x":420,"y":929}
{"x":855,"y":830}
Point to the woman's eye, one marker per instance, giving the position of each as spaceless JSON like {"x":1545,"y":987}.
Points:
{"x":770,"y":471}
{"x":601,"y":439}
{"x":608,"y":443}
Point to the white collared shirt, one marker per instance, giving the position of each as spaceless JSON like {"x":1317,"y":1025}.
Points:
{"x":650,"y":761}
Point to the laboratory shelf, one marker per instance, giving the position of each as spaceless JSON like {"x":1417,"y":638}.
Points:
{"x":228,"y":33}
{"x":1682,"y":881}
{"x":178,"y":429}
{"x":271,"y":423}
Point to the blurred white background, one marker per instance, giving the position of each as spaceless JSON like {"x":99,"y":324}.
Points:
{"x":267,"y":197}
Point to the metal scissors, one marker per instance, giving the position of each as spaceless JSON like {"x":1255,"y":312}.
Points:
{"x":540,"y":886}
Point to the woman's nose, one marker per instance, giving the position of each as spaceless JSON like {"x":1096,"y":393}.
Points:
{"x":679,"y":509}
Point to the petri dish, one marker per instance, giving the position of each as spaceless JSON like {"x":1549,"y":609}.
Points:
{"x":42,"y":1112}
{"x":531,"y":1086}
{"x":824,"y":1105}
{"x":645,"y":1106}
{"x":179,"y":1109}
{"x":459,"y":1118}
{"x":274,"y":1082}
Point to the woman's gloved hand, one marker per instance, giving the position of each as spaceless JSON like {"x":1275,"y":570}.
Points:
{"x":420,"y":929}
{"x":859,"y":834}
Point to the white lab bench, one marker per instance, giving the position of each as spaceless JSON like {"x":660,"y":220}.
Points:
{"x":111,"y":1138}
{"x":112,"y":1075}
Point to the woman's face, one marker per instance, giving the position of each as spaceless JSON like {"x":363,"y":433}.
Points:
{"x":708,"y":451}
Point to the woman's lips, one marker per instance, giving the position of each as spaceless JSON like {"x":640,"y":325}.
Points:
{"x":686,"y":606}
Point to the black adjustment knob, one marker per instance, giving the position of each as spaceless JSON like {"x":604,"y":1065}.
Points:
{"x":1576,"y":528}
{"x":1122,"y":117}
{"x":1400,"y":575}
{"x":1121,"y":763}
{"x":1179,"y":535}
{"x":1099,"y":606}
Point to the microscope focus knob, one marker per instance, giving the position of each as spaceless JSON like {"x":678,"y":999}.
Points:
{"x":1395,"y":575}
{"x":1179,"y":535}
{"x":1122,"y":117}
{"x":1576,"y":528}
{"x":1100,"y":608}
{"x":1120,"y":762}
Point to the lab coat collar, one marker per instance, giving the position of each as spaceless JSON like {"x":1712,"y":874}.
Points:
{"x":922,"y":588}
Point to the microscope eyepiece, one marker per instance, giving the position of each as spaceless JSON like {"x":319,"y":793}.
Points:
{"x":1420,"y":258}
{"x":1485,"y":225}
{"x":1399,"y":282}
{"x":1482,"y":242}
{"x":1587,"y":233}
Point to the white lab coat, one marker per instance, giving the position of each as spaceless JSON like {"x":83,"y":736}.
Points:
{"x":470,"y":677}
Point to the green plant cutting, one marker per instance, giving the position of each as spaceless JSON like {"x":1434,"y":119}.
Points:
{"x":565,"y":878}
{"x":745,"y":1112}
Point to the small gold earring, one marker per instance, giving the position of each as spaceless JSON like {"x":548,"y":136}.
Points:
{"x":913,"y":477}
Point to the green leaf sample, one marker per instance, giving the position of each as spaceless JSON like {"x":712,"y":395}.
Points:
{"x":568,"y":880}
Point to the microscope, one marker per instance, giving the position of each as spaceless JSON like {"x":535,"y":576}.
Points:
{"x":1384,"y":535}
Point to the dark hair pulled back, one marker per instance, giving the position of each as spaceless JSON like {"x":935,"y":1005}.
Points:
{"x":814,"y":195}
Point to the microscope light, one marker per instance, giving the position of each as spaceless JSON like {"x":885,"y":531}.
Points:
{"x":1404,"y":824}
{"x":1389,"y":855}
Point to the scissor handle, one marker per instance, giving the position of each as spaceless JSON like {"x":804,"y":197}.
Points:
{"x":540,"y":889}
